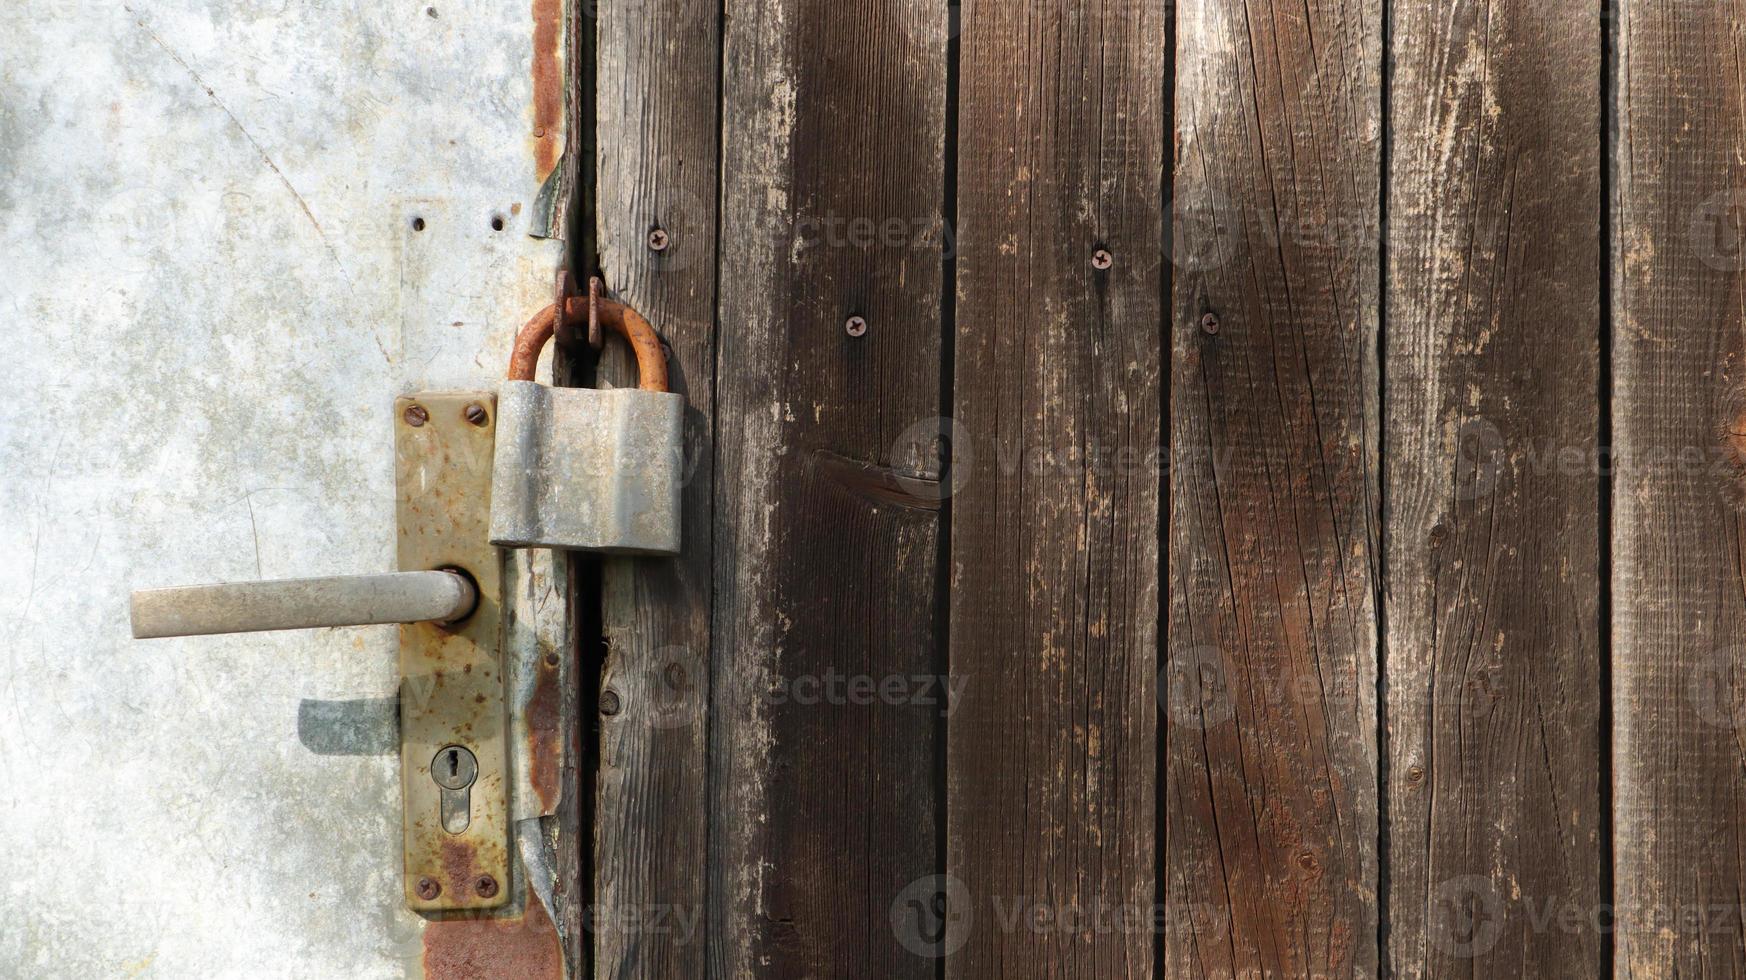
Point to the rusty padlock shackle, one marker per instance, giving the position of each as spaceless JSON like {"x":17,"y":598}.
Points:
{"x":629,"y":324}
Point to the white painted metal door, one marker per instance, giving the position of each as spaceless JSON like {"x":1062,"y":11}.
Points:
{"x":231,"y":233}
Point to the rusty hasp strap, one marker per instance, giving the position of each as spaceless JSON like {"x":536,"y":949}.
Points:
{"x":628,"y":323}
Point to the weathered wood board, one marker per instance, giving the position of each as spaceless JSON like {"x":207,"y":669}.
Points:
{"x":1679,"y":613}
{"x":1051,"y":775}
{"x":1271,"y":803}
{"x":1493,"y":586}
{"x":823,"y":803}
{"x":656,"y":109}
{"x":1493,"y":661}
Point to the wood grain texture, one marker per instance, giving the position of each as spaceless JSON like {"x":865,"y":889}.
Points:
{"x":1271,"y":763}
{"x":824,"y":806}
{"x":1679,"y":623}
{"x":1051,"y":766}
{"x":658,"y":152}
{"x":1493,"y":656}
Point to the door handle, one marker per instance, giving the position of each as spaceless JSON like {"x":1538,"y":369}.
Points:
{"x":306,"y":603}
{"x":454,"y":712}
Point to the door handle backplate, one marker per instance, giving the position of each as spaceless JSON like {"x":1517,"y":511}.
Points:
{"x":452,"y":701}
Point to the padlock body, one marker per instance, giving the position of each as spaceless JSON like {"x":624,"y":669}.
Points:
{"x":587,"y":469}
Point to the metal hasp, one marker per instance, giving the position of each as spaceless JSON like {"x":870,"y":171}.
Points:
{"x":302,"y":603}
{"x":453,"y":756}
{"x":589,"y":469}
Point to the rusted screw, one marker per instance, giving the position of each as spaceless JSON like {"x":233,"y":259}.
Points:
{"x":856,"y":326}
{"x":416,"y":415}
{"x":609,"y":703}
{"x":428,"y":889}
{"x":1101,"y":259}
{"x":1210,"y":323}
{"x":486,"y":886}
{"x":659,"y":240}
{"x":476,"y":414}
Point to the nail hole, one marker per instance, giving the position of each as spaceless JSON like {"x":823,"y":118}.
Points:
{"x":417,"y":224}
{"x":431,"y":11}
{"x":497,"y":222}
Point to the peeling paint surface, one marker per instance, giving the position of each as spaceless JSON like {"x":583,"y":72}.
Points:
{"x":233,"y":233}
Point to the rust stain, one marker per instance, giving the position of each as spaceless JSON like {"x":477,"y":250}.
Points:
{"x":544,"y":737}
{"x":524,"y":948}
{"x":459,"y":866}
{"x":548,"y":84}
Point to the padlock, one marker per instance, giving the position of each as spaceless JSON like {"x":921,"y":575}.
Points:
{"x":588,"y":469}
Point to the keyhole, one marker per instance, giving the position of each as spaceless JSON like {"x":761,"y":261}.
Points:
{"x":454,"y":769}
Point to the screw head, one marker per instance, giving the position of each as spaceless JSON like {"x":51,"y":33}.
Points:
{"x":1101,"y":259}
{"x":609,"y":703}
{"x":486,"y":886}
{"x":856,"y":326}
{"x":476,"y":414}
{"x":1210,"y":323}
{"x":416,"y":415}
{"x":428,"y":889}
{"x":659,"y":240}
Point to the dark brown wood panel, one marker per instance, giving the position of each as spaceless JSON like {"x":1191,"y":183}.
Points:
{"x":1271,"y":741}
{"x":1679,"y":411}
{"x":1051,"y":766}
{"x":1493,"y":658}
{"x":657,"y":91}
{"x":824,"y":798}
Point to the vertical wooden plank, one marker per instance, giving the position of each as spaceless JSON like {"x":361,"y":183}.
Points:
{"x":1051,"y":766}
{"x":1493,"y":660}
{"x":658,"y":149}
{"x":823,"y":802}
{"x":1271,"y":774}
{"x":1679,"y":411}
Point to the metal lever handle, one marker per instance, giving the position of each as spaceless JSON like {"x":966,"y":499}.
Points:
{"x":307,"y":603}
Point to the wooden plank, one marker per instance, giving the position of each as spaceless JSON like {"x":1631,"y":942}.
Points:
{"x":823,"y":805}
{"x":657,"y":89}
{"x":1493,"y":586}
{"x":1052,"y":755}
{"x":1678,"y":413}
{"x":1271,"y":792}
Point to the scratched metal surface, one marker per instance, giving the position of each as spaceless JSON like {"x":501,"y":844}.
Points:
{"x":212,"y":291}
